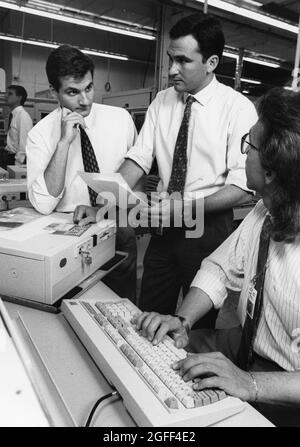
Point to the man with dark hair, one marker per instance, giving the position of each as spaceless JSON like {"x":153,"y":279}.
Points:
{"x":65,"y":61}
{"x":19,"y":124}
{"x":193,"y":129}
{"x":79,"y":135}
{"x":259,"y":362}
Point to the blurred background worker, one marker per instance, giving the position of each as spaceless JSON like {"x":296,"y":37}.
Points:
{"x":19,"y":124}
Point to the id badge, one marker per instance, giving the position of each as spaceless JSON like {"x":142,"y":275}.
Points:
{"x":252,"y":293}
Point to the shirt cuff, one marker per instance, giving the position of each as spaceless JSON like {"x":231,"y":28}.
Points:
{"x":237,"y":178}
{"x":40,"y":198}
{"x":139,"y":161}
{"x":209,"y":279}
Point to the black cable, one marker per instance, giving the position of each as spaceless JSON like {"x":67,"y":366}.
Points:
{"x":92,"y":412}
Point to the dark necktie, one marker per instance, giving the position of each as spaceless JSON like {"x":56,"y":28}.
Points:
{"x":179,"y":166}
{"x":245,"y":353}
{"x":89,"y":161}
{"x":9,"y":120}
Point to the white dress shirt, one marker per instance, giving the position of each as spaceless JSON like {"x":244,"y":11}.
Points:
{"x":111,"y":132}
{"x":233,"y":266}
{"x":219,"y":118}
{"x":20,"y":125}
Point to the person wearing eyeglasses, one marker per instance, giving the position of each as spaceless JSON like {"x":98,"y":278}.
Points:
{"x":258,"y":361}
{"x":19,"y":124}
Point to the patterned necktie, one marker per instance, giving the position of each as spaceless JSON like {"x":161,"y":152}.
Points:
{"x":245,"y":353}
{"x":89,"y":161}
{"x":179,"y":166}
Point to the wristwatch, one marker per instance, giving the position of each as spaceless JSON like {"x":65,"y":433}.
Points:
{"x":184,"y":322}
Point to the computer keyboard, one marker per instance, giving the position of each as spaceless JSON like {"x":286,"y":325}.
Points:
{"x":154,"y":393}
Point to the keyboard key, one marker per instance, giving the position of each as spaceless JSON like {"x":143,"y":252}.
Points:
{"x":100,"y":320}
{"x":188,"y":402}
{"x":221,"y":394}
{"x":89,"y":308}
{"x":171,"y":402}
{"x":212,"y":395}
{"x":123,"y":331}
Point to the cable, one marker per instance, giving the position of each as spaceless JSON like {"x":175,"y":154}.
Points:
{"x":92,"y":412}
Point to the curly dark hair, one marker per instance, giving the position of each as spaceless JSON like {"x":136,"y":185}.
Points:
{"x":67,"y":61}
{"x":206,"y":29}
{"x":279,"y":112}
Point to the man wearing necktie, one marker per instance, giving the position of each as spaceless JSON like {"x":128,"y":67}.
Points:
{"x":258,"y":361}
{"x":193,"y":129}
{"x":79,"y":135}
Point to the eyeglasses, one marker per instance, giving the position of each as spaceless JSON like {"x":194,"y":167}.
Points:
{"x":246,"y":145}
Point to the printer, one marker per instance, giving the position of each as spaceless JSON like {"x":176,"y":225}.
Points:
{"x":13,"y":193}
{"x":17,"y":171}
{"x":42,"y":265}
{"x":3,"y":174}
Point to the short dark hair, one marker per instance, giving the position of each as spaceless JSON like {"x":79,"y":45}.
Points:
{"x":206,"y":29}
{"x":279,"y":113}
{"x":67,"y":61}
{"x":19,"y":91}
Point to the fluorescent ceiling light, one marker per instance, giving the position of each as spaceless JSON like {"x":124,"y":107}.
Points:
{"x":251,"y":2}
{"x":250,"y":81}
{"x":252,"y":60}
{"x":287,"y":87}
{"x":104,"y":54}
{"x":55,"y":45}
{"x":76,"y":21}
{"x":231,"y":55}
{"x":261,"y":62}
{"x":253,"y":15}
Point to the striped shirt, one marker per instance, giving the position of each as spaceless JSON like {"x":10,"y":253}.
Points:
{"x":233,"y":266}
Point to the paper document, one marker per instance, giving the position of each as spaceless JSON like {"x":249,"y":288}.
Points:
{"x":67,"y":229}
{"x":107,"y":184}
{"x":16,"y":217}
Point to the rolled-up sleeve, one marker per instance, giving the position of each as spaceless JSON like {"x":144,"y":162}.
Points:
{"x":38,"y":158}
{"x":142,"y":152}
{"x":223,"y":269}
{"x":244,"y":117}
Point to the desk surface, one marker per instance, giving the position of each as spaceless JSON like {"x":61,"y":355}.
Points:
{"x":78,"y":380}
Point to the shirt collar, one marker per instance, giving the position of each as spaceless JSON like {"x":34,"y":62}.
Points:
{"x":204,"y":96}
{"x":89,"y":119}
{"x":16,"y":110}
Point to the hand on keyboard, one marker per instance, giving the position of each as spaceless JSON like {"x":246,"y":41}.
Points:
{"x":214,"y":370}
{"x":157,"y":393}
{"x":155,"y":326}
